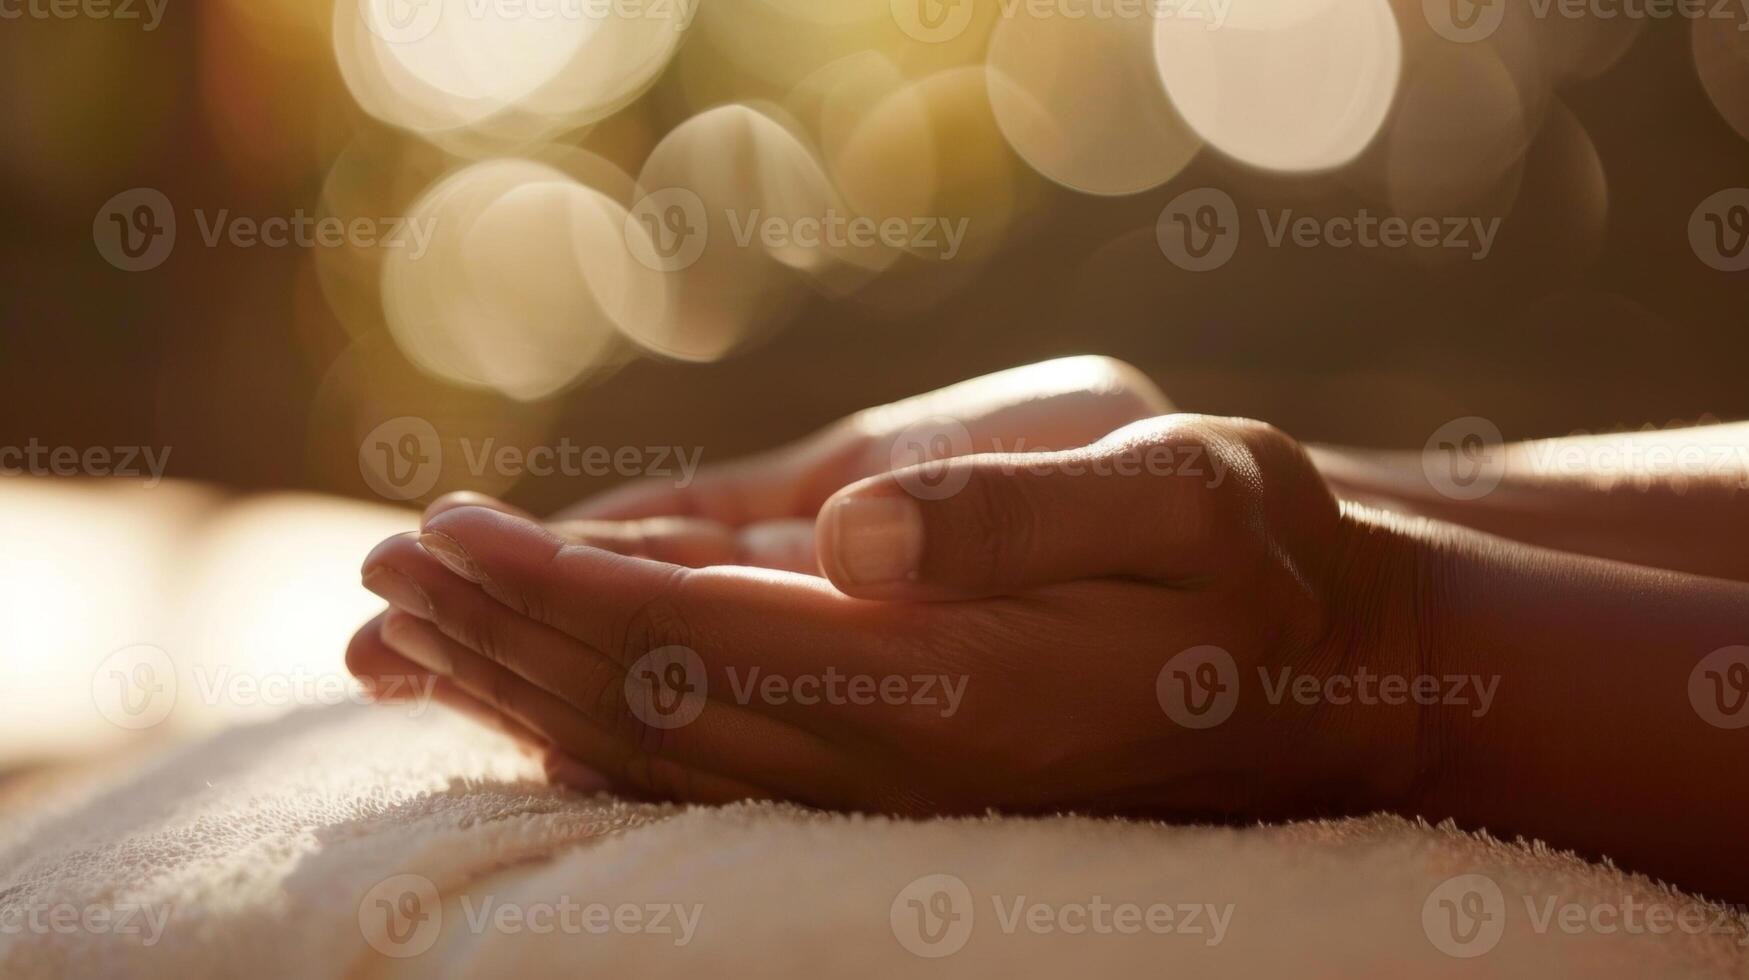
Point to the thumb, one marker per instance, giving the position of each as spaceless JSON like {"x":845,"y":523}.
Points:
{"x":1145,"y":501}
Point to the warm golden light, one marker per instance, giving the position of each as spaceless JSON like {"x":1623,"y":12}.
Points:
{"x":719,"y":201}
{"x":1284,"y":84}
{"x":1080,"y":101}
{"x":503,"y":295}
{"x":475,"y":75}
{"x":1459,"y":136}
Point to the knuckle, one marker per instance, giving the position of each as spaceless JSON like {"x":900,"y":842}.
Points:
{"x":995,"y":524}
{"x":609,"y":705}
{"x":484,"y":633}
{"x":657,"y":622}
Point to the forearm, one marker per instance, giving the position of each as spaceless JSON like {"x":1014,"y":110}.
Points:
{"x":1611,"y":731}
{"x":1674,"y":499}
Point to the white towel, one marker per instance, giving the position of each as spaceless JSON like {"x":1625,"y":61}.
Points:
{"x":368,"y":842}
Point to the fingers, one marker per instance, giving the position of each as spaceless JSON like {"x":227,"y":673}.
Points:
{"x":694,"y":542}
{"x":504,"y":659}
{"x":468,"y":498}
{"x":626,"y":607}
{"x":1052,"y":405}
{"x":1151,"y":500}
{"x":768,"y":486}
{"x":555,"y":721}
{"x":393,"y":677}
{"x":1058,"y":404}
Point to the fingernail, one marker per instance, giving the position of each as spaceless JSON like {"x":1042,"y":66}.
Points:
{"x":399,"y":590}
{"x":875,"y":540}
{"x":453,"y":556}
{"x":575,"y":775}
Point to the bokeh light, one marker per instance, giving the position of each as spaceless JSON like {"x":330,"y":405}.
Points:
{"x":520,"y":283}
{"x":1080,"y":101}
{"x":1291,"y":85}
{"x":481,"y":76}
{"x":704,"y":195}
{"x":1459,"y":137}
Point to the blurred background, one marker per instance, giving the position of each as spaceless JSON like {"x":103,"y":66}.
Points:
{"x":535,"y":220}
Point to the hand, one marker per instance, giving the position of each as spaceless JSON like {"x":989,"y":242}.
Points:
{"x":1080,"y":578}
{"x":760,"y":510}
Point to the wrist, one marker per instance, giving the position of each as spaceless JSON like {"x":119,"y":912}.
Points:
{"x":1382,"y":586}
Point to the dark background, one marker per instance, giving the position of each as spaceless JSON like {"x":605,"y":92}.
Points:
{"x":234,"y":359}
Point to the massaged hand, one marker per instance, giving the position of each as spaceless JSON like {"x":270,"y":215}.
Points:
{"x":760,"y":510}
{"x":1075,"y":629}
